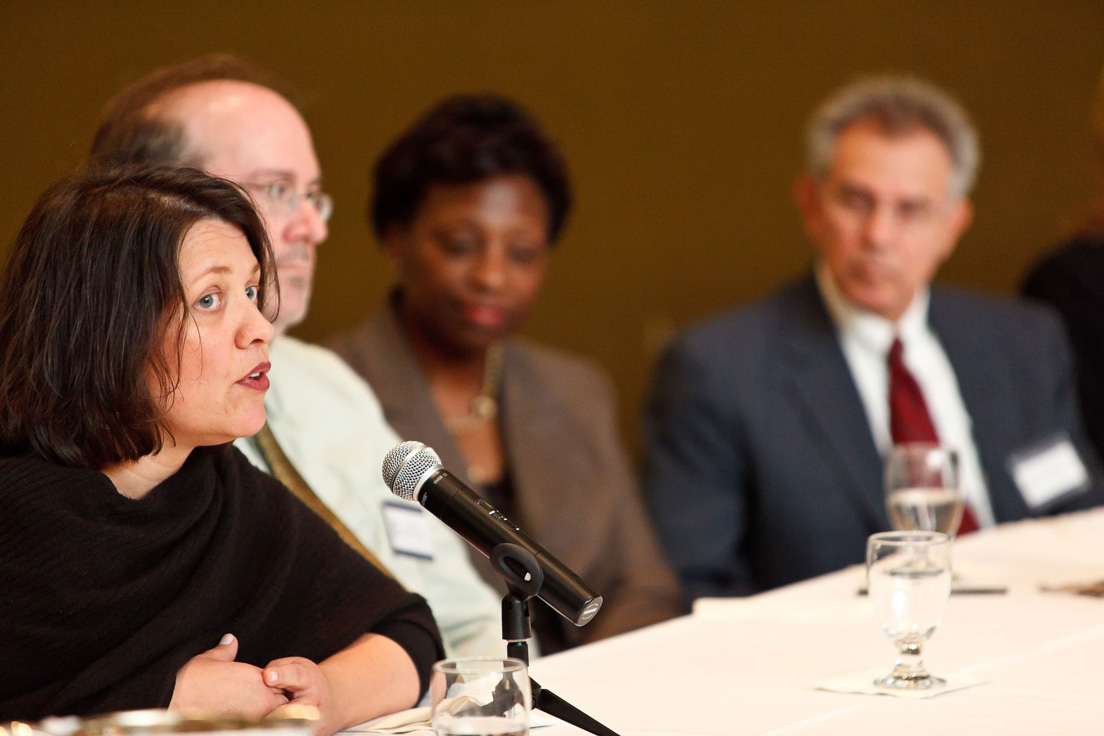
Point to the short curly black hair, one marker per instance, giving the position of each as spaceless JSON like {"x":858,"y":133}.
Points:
{"x":464,"y":139}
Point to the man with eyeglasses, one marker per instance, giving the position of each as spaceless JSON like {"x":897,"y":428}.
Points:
{"x":326,"y":435}
{"x":767,"y":427}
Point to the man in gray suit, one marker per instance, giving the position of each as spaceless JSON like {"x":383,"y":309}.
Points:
{"x":767,"y":426}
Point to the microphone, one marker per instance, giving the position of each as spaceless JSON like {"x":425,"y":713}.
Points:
{"x":413,"y":471}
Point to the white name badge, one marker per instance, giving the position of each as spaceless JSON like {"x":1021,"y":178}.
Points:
{"x":1048,"y":471}
{"x":408,"y":530}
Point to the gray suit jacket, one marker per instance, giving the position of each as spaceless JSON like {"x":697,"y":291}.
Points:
{"x":761,"y":466}
{"x":573,"y":487}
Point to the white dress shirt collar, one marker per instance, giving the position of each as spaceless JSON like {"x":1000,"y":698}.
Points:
{"x":873,"y":331}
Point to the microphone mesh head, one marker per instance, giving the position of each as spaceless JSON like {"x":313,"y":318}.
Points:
{"x":411,"y":468}
{"x":396,"y":456}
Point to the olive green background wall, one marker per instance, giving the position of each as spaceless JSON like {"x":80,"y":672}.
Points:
{"x":681,"y":122}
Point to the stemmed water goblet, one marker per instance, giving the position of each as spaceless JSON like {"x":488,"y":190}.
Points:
{"x":922,"y":489}
{"x":909,"y":581}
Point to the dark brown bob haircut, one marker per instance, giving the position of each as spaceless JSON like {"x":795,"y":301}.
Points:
{"x":91,"y":292}
{"x":465,"y":139}
{"x":130,"y":132}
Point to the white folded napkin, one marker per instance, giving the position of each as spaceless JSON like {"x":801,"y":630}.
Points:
{"x":863,"y":683}
{"x":405,"y":721}
{"x":418,"y":719}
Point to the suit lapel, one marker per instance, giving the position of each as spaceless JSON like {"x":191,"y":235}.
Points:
{"x":825,"y":392}
{"x":405,"y":394}
{"x":530,"y":424}
{"x":987,"y":392}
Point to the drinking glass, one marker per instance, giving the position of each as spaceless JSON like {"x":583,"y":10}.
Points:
{"x":908,"y":576}
{"x":922,"y":491}
{"x":480,"y":697}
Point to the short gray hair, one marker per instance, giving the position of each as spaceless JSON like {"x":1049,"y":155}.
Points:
{"x":898,"y":105}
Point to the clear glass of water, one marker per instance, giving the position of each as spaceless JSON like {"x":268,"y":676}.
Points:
{"x":480,"y":697}
{"x":922,"y":490}
{"x":908,"y":576}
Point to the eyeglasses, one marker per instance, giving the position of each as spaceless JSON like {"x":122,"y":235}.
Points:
{"x":287,"y":199}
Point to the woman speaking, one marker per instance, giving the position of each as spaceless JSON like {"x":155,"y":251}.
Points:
{"x":143,"y":561}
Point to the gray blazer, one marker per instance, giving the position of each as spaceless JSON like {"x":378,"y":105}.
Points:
{"x":574,"y":491}
{"x":760,"y":464}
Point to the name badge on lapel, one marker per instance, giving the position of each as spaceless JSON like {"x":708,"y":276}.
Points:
{"x":1048,"y":471}
{"x":408,"y":530}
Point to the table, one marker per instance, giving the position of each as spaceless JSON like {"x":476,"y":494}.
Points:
{"x":747,"y":666}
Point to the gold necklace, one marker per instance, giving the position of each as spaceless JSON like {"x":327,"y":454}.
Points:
{"x":484,"y":405}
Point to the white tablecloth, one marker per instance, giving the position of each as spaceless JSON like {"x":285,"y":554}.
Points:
{"x":747,"y":666}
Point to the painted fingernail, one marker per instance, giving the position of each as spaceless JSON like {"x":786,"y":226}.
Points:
{"x":226,"y":640}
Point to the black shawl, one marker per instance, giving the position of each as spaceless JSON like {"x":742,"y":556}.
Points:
{"x":103,"y":598}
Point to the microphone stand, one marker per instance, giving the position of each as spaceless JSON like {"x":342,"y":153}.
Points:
{"x":524,"y":579}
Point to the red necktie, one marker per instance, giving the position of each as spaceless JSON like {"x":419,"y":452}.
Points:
{"x":909,"y":420}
